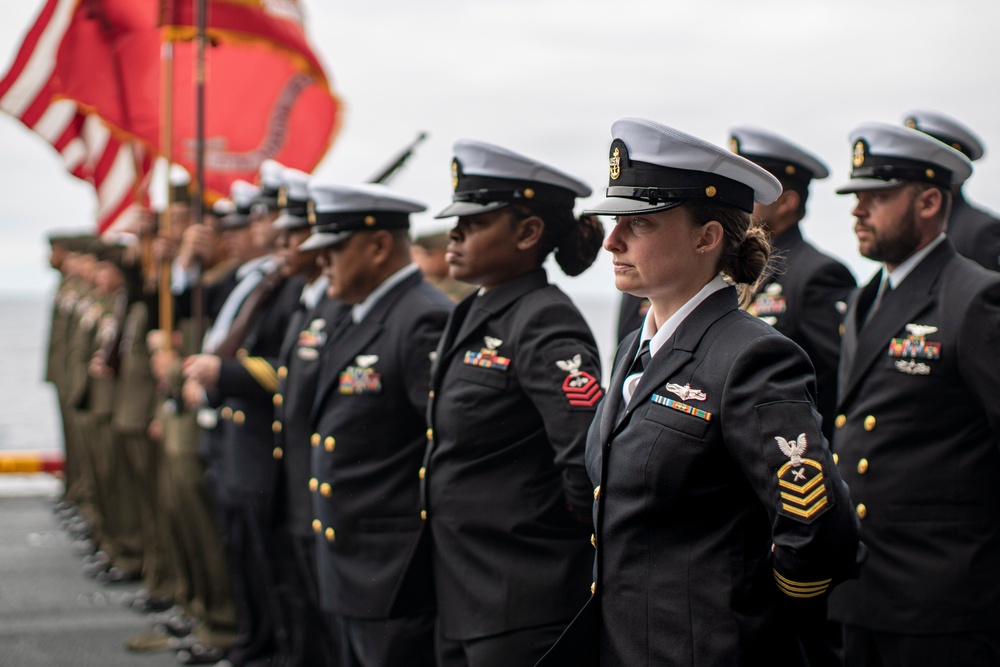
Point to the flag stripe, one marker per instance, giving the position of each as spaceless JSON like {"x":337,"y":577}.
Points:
{"x":35,"y":73}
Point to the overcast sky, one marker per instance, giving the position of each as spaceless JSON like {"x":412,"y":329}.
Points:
{"x":548,"y":77}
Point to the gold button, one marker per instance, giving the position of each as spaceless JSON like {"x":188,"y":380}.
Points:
{"x":431,"y":394}
{"x":862,"y":511}
{"x":329,"y":443}
{"x":276,"y":426}
{"x":593,"y":540}
{"x":331,"y":534}
{"x":282,"y":372}
{"x":226,"y":413}
{"x":317,"y":526}
{"x":422,"y":473}
{"x":593,"y":588}
{"x":862,"y":466}
{"x":278,"y":453}
{"x":239,"y":417}
{"x":597,"y":492}
{"x":326,"y":490}
{"x":423,"y":514}
{"x":313,"y":484}
{"x":840,"y":421}
{"x":315,"y":439}
{"x":277,"y":400}
{"x":430,"y":434}
{"x":836,"y":458}
{"x":870,"y":423}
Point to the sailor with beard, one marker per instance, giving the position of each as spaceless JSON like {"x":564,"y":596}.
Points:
{"x":918,"y":422}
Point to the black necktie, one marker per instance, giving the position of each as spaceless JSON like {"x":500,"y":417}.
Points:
{"x":883,"y":290}
{"x":635,"y":371}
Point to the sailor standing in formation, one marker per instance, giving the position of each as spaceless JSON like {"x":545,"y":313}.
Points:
{"x":919,"y":421}
{"x":348,"y":471}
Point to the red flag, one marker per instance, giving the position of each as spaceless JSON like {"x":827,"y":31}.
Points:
{"x":266,"y":94}
{"x":280,"y":24}
{"x":33,"y":91}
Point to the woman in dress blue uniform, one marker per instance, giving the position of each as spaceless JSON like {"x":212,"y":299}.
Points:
{"x":506,"y":497}
{"x":721,"y":519}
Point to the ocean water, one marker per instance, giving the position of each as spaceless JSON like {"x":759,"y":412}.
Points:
{"x":29,"y":410}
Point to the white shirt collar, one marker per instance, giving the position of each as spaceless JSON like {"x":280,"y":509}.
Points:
{"x":313,"y":292}
{"x":898,"y":275}
{"x":360,"y":311}
{"x":656,"y":337}
{"x":264,"y":264}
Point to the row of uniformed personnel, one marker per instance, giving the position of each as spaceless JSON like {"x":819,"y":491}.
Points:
{"x":331,"y":417}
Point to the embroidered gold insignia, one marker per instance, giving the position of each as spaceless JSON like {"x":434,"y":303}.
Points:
{"x":800,"y":481}
{"x":859,"y":154}
{"x":616,"y":164}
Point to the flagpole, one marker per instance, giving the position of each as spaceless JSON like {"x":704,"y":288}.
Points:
{"x":166,"y":299}
{"x":199,"y":199}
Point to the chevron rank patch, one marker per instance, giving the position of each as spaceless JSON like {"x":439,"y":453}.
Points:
{"x":580,"y":387}
{"x":361,"y":378}
{"x":916,"y":345}
{"x":801,"y":482}
{"x":488,"y":357}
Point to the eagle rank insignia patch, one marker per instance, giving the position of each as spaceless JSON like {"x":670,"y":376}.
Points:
{"x":361,"y":378}
{"x":488,"y":357}
{"x":581,"y":388}
{"x":800,"y":481}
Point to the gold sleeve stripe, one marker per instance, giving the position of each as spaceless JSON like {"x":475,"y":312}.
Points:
{"x":262,"y":372}
{"x":804,"y":501}
{"x":805,"y":514}
{"x":799,"y":589}
{"x":801,"y":488}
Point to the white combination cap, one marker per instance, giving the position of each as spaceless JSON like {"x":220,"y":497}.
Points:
{"x":886,"y":156}
{"x":293,"y":199}
{"x":778,"y":155}
{"x":654,"y":168}
{"x":338,"y":211}
{"x":947,"y":129}
{"x":486,"y":177}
